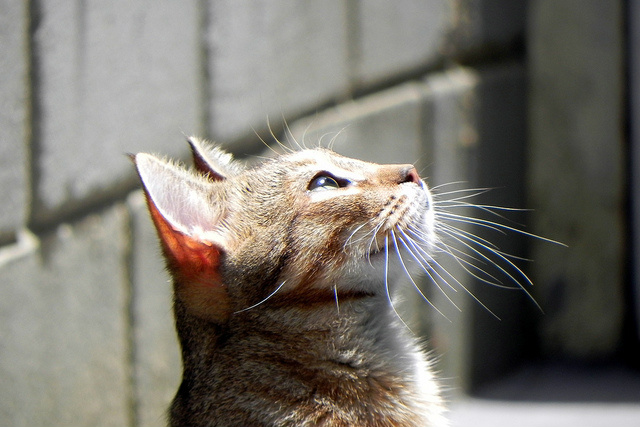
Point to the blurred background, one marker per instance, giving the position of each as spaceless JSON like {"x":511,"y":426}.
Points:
{"x":538,"y":100}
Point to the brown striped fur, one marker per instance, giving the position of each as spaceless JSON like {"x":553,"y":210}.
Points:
{"x":281,"y":300}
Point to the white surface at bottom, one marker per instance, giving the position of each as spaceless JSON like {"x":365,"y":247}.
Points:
{"x":494,"y":413}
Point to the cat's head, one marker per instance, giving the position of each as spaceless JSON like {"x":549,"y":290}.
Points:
{"x":311,"y":224}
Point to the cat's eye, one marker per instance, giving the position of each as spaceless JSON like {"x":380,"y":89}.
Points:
{"x":325,"y":181}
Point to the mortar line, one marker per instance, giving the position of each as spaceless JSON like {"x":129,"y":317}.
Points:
{"x":133,"y":403}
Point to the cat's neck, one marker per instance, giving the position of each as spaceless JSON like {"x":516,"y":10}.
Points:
{"x":363,"y":326}
{"x":355,"y":353}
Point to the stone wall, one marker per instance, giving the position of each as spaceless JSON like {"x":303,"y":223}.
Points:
{"x":86,"y":335}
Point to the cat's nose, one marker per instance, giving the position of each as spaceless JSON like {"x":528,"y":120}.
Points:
{"x":410,"y":174}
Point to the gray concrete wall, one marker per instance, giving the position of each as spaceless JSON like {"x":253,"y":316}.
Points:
{"x":86,"y":335}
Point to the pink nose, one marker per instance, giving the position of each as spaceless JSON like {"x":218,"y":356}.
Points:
{"x":410,"y":174}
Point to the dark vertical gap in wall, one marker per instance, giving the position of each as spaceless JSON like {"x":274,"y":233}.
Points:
{"x":630,"y":346}
{"x":34,"y":114}
{"x":499,"y":347}
{"x":353,"y":43}
{"x":133,"y":403}
{"x":204,"y":22}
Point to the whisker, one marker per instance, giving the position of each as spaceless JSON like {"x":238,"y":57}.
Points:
{"x":447,"y":282}
{"x":474,"y":221}
{"x":386,"y":280}
{"x":374,"y":233}
{"x":257,"y":304}
{"x":277,"y":140}
{"x":468,"y":266}
{"x":265,"y":142}
{"x":464,"y":259}
{"x":478,"y":240}
{"x":489,"y":209}
{"x":456,"y":203}
{"x":467,"y":193}
{"x":426,"y":263}
{"x":404,"y":267}
{"x":289,"y":135}
{"x":427,"y":268}
{"x":468,"y":242}
{"x":360,"y":239}
{"x":495,"y":226}
{"x":466,"y":233}
{"x":449,"y":184}
{"x":499,"y":267}
{"x":333,"y":140}
{"x":464,"y":288}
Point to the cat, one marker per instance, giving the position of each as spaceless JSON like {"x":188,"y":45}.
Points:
{"x":282,"y":301}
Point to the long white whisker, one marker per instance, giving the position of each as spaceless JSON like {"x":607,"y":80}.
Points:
{"x":499,"y":267}
{"x":348,"y":241}
{"x":473,"y":238}
{"x":373,"y":239}
{"x":456,"y":203}
{"x":449,"y":184}
{"x":333,"y":140}
{"x":463,"y":232}
{"x":447,"y":282}
{"x":460,"y":258}
{"x":493,"y":225}
{"x":464,"y":288}
{"x":465,"y":194}
{"x":386,"y":280}
{"x":257,"y":304}
{"x":469,"y":266}
{"x":265,"y":142}
{"x":404,"y":267}
{"x":275,"y":138}
{"x":289,"y":135}
{"x":460,"y":254}
{"x":461,"y":239}
{"x":425,"y":260}
{"x":474,"y":221}
{"x":460,"y":261}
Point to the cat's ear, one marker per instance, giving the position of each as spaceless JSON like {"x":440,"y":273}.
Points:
{"x":213,"y":162}
{"x":186,"y":213}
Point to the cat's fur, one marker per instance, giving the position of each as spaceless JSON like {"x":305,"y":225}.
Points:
{"x":281,"y":282}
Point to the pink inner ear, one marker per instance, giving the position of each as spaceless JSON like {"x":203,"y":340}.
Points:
{"x":195,"y":267}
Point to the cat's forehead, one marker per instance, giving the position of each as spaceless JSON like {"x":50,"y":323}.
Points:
{"x":322,"y":159}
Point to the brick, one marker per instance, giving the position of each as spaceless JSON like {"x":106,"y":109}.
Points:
{"x":383,"y":128}
{"x":269,"y":60}
{"x":577,"y":174}
{"x":487,"y":25}
{"x":14,"y":112}
{"x":157,"y":356}
{"x":392,"y":38}
{"x":63,"y":335}
{"x":395,"y":39}
{"x":111,"y":78}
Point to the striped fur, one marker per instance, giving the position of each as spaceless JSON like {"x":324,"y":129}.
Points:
{"x":281,"y":281}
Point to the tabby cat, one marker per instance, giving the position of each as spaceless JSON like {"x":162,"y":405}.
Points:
{"x":282,"y":276}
